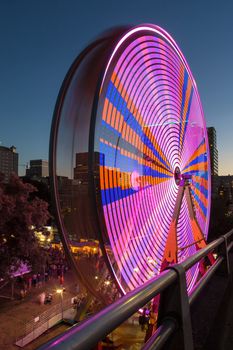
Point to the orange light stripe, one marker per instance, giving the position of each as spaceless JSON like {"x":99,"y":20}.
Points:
{"x":118,"y":174}
{"x":113,"y":117}
{"x":110,"y":177}
{"x":102,"y":184}
{"x":115,"y":177}
{"x":106,"y":177}
{"x":109,"y":113}
{"x":117,"y":119}
{"x":104,"y":115}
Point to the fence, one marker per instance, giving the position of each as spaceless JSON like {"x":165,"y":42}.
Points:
{"x":174,"y":314}
{"x":41,"y":323}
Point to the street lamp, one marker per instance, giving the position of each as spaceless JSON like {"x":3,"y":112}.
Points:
{"x":60,"y":291}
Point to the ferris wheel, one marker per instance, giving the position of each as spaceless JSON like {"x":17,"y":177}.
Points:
{"x":129,"y":153}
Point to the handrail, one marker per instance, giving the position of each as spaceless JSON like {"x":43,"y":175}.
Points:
{"x":195,"y":258}
{"x":204,"y":280}
{"x":161,"y":335}
{"x":86,"y":334}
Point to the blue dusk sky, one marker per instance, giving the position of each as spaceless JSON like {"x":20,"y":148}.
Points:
{"x":40,"y":39}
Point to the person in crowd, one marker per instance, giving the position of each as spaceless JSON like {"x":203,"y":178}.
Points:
{"x":34,"y":280}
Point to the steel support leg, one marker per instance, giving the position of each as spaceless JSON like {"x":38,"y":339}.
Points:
{"x":225,"y":268}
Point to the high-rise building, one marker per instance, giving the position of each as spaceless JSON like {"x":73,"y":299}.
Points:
{"x":212,"y":137}
{"x":8,"y":161}
{"x":225,"y":192}
{"x":38,"y":168}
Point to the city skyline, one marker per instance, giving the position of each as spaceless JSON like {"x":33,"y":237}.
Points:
{"x":41,"y":40}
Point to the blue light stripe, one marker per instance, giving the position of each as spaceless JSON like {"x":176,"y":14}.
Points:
{"x":202,"y":189}
{"x":192,"y":162}
{"x":201,"y":205}
{"x":199,"y":159}
{"x":200,"y":173}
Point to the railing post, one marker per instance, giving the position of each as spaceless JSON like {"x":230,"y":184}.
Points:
{"x":224,"y":252}
{"x":174,"y":303}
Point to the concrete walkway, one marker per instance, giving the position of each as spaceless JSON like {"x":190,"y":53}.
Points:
{"x":212,"y":313}
{"x":14,"y":314}
{"x":221,"y":334}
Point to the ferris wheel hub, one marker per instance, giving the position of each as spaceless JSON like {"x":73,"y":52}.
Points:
{"x":177,"y":175}
{"x":181,"y":179}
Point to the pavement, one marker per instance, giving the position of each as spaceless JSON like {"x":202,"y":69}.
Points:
{"x":15,"y":313}
{"x":221,"y":334}
{"x":45,"y":337}
{"x":212,"y":313}
{"x":205,"y":314}
{"x":129,"y":335}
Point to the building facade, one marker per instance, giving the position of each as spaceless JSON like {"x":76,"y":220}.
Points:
{"x":225,"y":188}
{"x":8,"y":161}
{"x":212,"y":137}
{"x":38,"y":168}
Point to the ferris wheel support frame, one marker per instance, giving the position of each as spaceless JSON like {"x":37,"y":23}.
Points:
{"x":171,"y":249}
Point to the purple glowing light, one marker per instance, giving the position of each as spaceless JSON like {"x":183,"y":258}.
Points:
{"x":152,"y":124}
{"x":128,"y":115}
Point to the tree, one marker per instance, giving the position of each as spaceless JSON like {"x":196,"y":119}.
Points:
{"x":21,"y":214}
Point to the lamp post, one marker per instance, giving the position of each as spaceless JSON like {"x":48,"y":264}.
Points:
{"x":60,"y":291}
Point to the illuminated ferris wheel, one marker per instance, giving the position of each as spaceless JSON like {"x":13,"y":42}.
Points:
{"x":129,"y":157}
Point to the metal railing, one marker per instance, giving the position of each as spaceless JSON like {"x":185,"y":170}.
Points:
{"x":174,"y":314}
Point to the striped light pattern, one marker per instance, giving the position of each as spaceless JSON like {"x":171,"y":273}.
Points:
{"x":151,"y":123}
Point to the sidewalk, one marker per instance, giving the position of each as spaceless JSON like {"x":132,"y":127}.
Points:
{"x":212,"y":318}
{"x":221,"y":335}
{"x":14,"y":314}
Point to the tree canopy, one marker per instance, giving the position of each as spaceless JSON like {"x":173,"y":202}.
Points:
{"x":21,"y":214}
